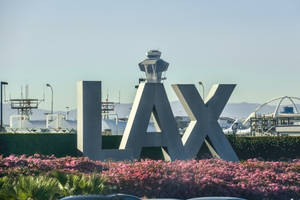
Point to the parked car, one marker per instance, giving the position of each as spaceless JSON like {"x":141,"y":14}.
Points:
{"x":217,"y":198}
{"x":102,"y":197}
{"x":130,"y":197}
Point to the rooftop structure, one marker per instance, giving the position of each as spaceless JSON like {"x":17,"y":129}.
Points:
{"x":285,"y":120}
{"x":154,"y":67}
{"x":25,"y":105}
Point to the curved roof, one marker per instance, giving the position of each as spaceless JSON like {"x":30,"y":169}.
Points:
{"x":276,"y":112}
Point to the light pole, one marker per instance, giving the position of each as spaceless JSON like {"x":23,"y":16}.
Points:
{"x":200,"y":83}
{"x":48,"y":85}
{"x":2,"y":83}
{"x":67,"y":113}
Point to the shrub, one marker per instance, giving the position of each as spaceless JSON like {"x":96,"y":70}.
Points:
{"x":251,"y":179}
{"x":28,"y":187}
{"x":268,"y":148}
{"x":43,"y":187}
{"x":71,"y":184}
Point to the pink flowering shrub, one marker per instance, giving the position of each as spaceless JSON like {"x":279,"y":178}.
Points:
{"x":251,"y":179}
{"x":185,"y":179}
{"x":38,"y":163}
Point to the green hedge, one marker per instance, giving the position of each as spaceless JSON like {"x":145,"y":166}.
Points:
{"x":267,"y":148}
{"x":45,"y":143}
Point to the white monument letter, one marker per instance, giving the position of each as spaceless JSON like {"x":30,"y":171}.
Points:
{"x":89,"y":137}
{"x":204,"y":119}
{"x":152,"y":98}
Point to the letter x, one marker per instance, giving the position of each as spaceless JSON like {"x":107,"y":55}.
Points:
{"x":204,"y":119}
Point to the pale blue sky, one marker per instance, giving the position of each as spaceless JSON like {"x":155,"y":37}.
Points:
{"x":255,"y":44}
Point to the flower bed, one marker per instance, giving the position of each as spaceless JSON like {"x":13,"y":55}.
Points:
{"x":251,"y":179}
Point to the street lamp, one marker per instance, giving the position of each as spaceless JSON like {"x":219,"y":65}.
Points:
{"x":2,"y":83}
{"x":68,"y":111}
{"x":200,"y":83}
{"x":48,"y":85}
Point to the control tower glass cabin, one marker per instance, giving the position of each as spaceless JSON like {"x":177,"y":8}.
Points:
{"x":154,"y":67}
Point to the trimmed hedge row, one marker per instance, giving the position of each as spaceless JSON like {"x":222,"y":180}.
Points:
{"x":47,"y":144}
{"x":267,"y":148}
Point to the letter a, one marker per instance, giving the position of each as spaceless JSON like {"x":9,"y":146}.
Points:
{"x":152,"y":98}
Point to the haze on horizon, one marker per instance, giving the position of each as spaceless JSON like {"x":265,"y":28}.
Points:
{"x":254,"y":44}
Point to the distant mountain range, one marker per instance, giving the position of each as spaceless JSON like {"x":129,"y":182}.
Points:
{"x":234,"y":110}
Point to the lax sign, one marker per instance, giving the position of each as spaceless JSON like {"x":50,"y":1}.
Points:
{"x":151,"y":98}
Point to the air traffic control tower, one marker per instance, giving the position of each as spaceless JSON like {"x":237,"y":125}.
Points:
{"x":154,"y":67}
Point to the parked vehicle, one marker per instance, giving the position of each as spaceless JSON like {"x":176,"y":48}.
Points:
{"x":102,"y":197}
{"x":130,"y":197}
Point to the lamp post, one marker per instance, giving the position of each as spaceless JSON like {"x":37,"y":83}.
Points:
{"x":48,"y":85}
{"x":2,"y":83}
{"x":200,"y":83}
{"x":67,"y":112}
